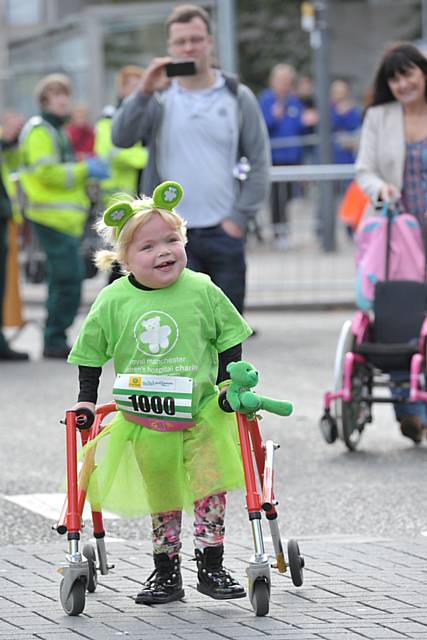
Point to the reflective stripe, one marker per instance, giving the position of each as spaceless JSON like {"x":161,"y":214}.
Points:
{"x":46,"y":160}
{"x":69,"y":176}
{"x":113,"y":152}
{"x":56,"y":205}
{"x":35,"y":121}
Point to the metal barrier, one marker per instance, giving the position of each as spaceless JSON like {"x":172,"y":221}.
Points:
{"x":304,"y":172}
{"x":288,"y":265}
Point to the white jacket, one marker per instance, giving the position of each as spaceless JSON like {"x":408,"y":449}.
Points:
{"x":381,"y":156}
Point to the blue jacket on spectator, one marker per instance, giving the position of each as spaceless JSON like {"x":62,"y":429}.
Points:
{"x":288,"y":126}
{"x":348,"y":122}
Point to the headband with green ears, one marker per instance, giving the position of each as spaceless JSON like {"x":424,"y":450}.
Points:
{"x":166,"y":196}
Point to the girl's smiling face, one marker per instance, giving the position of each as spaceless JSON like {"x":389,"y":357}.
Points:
{"x":156,"y":254}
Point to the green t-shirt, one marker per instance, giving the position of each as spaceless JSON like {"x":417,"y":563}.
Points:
{"x":175,"y":331}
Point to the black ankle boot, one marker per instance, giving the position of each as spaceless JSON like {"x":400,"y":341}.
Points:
{"x":214,"y":580}
{"x":8,"y":354}
{"x":164,"y":584}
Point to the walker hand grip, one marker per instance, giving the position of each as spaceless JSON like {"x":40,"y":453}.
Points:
{"x":84,"y":418}
{"x":223,"y":403}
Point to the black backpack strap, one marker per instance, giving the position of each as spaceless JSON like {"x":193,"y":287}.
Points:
{"x":231,"y":82}
{"x":390,"y":215}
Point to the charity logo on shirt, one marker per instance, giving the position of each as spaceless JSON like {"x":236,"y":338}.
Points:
{"x":156,"y":333}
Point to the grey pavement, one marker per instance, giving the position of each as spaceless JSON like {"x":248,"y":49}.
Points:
{"x":354,"y":588}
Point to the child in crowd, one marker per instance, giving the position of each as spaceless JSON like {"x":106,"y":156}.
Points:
{"x":171,"y":333}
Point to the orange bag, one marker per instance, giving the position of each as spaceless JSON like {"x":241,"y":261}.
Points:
{"x":353,"y":205}
{"x":12,"y":308}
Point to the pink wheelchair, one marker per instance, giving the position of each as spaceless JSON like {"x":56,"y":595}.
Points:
{"x":371,"y":348}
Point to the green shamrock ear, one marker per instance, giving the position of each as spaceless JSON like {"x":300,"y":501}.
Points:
{"x":118,"y":214}
{"x":167,"y":195}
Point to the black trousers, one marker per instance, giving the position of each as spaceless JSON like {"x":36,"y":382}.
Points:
{"x":3,"y":259}
{"x":281,"y":193}
{"x":212,"y":251}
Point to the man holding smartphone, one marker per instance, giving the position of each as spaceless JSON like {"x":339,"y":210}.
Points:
{"x":197,"y":128}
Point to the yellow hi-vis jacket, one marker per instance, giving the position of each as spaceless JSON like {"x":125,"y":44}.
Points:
{"x":10,"y":161}
{"x":55,"y":190}
{"x":124,"y":163}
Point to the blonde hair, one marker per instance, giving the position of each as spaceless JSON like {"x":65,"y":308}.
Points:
{"x":119,"y":243}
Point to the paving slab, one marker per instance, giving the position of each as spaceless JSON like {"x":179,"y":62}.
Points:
{"x":353,"y":600}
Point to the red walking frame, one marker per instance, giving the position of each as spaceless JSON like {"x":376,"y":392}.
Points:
{"x":258,"y":459}
{"x":80,"y":571}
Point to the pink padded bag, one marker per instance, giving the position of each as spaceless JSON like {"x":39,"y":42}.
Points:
{"x":406,"y":253}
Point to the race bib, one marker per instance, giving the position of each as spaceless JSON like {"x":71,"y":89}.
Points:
{"x":155,"y":399}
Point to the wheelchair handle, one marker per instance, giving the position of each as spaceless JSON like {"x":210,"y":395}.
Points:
{"x":387,"y":207}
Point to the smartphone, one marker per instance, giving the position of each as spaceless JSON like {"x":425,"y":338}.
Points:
{"x":181,"y":68}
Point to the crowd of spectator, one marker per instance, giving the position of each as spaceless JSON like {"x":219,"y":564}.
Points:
{"x":69,"y":166}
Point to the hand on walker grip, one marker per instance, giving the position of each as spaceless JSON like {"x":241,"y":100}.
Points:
{"x":85,"y":414}
{"x":240,"y":397}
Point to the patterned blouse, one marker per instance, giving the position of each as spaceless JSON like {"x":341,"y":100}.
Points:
{"x":414,"y":193}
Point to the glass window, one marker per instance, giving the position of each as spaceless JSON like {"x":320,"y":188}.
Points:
{"x":130,"y":43}
{"x":23,"y":12}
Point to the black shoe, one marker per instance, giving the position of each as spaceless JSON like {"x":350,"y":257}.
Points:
{"x":214,"y":580}
{"x":10,"y":355}
{"x":61,"y":353}
{"x":164,"y":584}
{"x":412,"y":427}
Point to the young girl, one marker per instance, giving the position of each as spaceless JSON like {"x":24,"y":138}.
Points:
{"x":171,"y":333}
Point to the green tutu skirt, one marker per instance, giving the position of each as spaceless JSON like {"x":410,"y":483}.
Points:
{"x":140,"y":471}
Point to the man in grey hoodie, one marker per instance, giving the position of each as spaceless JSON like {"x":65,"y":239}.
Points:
{"x":198,"y":128}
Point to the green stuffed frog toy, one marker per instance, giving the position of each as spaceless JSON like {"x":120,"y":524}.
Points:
{"x":243,"y":377}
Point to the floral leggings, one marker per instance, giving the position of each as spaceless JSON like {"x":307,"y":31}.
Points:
{"x":209,"y":516}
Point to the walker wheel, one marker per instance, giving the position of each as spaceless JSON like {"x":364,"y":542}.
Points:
{"x":260,"y":597}
{"x":75,"y":603}
{"x":296,"y":563}
{"x":90,"y":555}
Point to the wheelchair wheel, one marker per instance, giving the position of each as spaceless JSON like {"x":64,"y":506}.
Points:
{"x":328,"y":428}
{"x":352,"y":415}
{"x":356,"y":413}
{"x":345,"y":344}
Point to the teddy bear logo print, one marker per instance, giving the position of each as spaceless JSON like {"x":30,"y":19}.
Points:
{"x":154,"y":335}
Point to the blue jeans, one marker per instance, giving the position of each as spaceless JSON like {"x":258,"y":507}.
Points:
{"x":214,"y":252}
{"x":402,"y":409}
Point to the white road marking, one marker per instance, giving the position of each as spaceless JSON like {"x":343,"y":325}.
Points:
{"x":50,"y":505}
